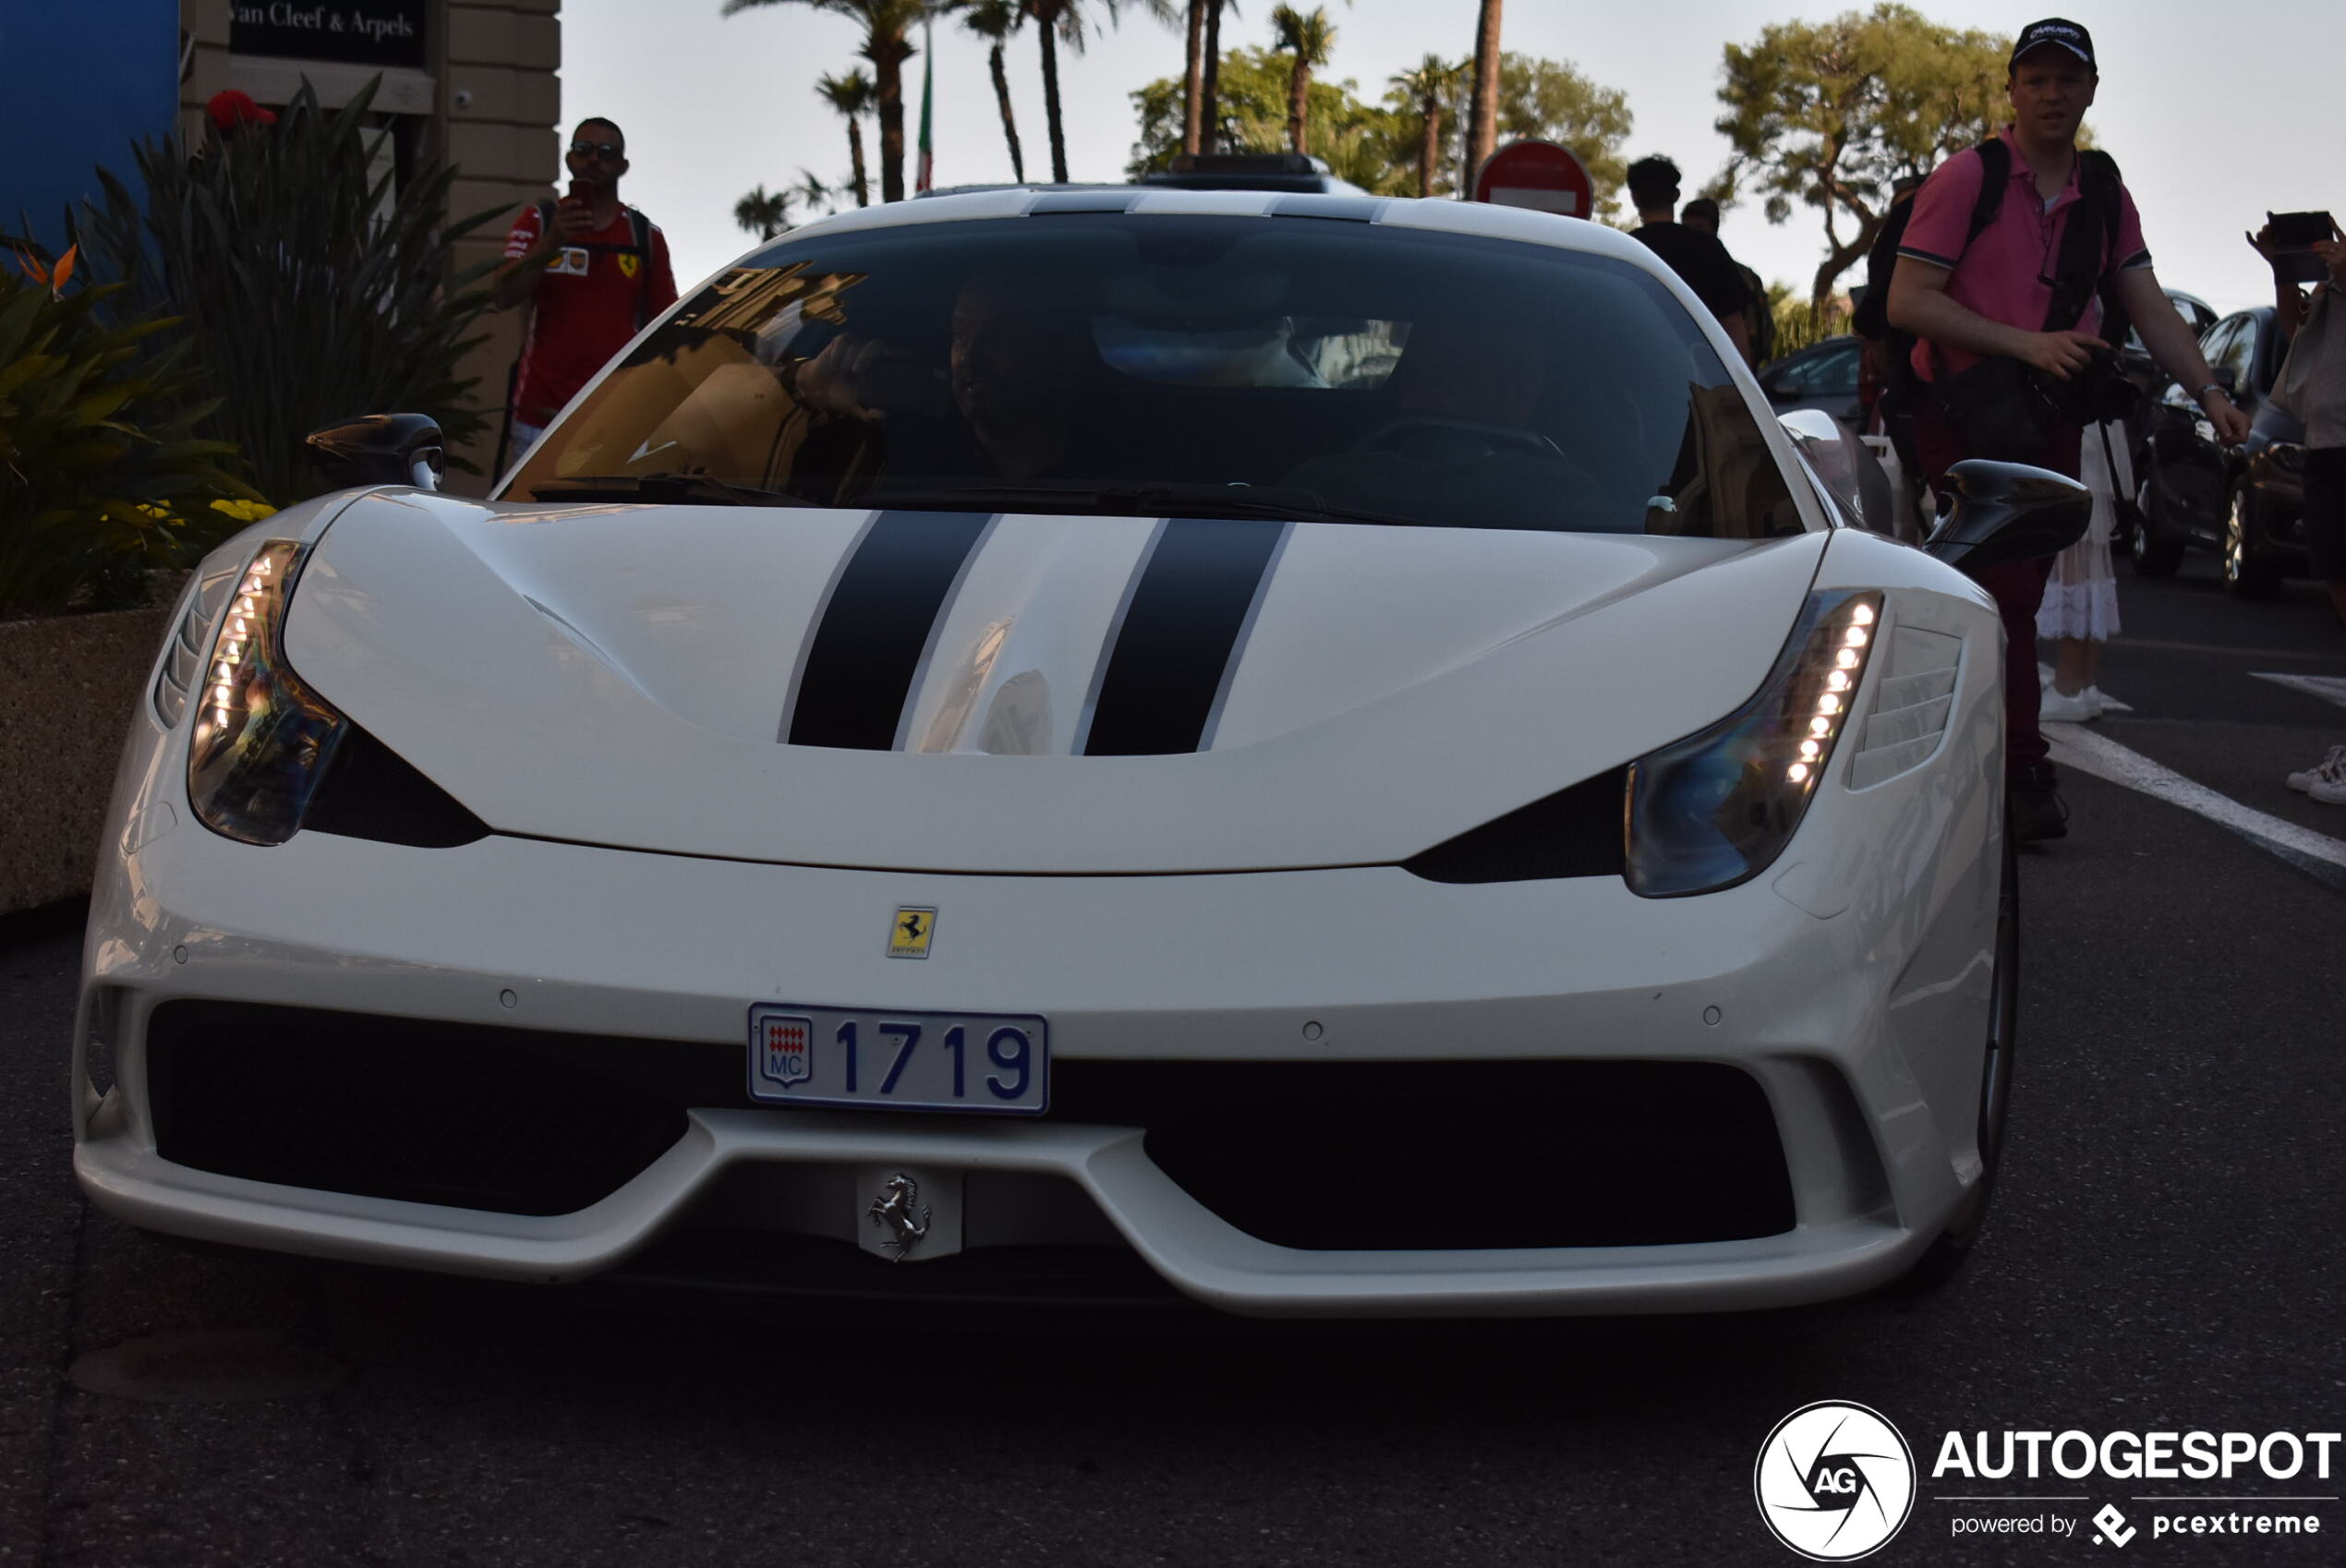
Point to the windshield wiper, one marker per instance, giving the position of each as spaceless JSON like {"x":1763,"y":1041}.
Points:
{"x":1229,"y":501}
{"x":675,"y":484}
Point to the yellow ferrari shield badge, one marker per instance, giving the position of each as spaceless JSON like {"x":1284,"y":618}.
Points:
{"x":908,"y":937}
{"x":628,"y":263}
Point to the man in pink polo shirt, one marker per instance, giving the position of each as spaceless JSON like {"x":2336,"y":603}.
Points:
{"x":1970,"y":298}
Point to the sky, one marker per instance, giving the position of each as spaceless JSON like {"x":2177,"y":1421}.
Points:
{"x":2212,"y":129}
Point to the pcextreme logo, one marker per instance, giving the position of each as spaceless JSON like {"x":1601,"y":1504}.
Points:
{"x":1835,"y":1481}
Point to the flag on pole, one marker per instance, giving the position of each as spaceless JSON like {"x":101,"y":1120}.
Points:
{"x":925,"y":178}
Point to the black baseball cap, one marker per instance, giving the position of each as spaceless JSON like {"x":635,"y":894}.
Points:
{"x":2058,"y":30}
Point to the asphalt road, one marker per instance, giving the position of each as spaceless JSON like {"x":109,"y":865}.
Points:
{"x":2167,"y":1251}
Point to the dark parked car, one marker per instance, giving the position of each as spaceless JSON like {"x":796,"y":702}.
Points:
{"x":1822,"y":375}
{"x":2247,"y":503}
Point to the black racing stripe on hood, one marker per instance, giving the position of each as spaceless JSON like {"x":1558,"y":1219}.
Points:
{"x":860,"y":667}
{"x":1179,"y":633}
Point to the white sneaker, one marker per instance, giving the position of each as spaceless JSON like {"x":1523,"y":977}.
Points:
{"x":2107,"y":703}
{"x":2067,"y":707}
{"x":2330,"y":769}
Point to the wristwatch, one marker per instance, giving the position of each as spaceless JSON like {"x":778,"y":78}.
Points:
{"x":2200,"y":397}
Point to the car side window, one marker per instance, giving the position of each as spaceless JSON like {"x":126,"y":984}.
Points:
{"x":2239,"y":355}
{"x":2217,"y":341}
{"x":1836,"y":373}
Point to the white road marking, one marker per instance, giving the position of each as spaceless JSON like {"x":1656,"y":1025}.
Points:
{"x":2330,"y":688}
{"x":2075,"y":746}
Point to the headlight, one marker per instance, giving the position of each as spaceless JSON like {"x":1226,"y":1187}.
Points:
{"x":1714,"y":809}
{"x":262,"y":739}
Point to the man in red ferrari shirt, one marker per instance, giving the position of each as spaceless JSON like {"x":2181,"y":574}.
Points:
{"x":593,"y":270}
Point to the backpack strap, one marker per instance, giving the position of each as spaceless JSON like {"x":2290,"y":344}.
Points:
{"x":2089,"y":256}
{"x":1995,"y":175}
{"x":640,"y":229}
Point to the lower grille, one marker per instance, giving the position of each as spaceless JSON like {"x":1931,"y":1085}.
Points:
{"x":512,"y":1120}
{"x":1382,"y":1156}
{"x":1318,"y":1155}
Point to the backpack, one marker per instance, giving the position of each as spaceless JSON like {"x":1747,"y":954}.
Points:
{"x":639,"y":231}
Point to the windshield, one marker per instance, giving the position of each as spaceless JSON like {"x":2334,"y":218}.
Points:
{"x":1182,"y":365}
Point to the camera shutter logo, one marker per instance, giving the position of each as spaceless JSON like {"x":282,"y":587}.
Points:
{"x":1835,"y":1481}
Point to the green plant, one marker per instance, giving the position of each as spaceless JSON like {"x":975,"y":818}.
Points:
{"x":101,"y":474}
{"x":311,"y":292}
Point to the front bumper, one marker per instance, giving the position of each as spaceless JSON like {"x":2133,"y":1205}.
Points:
{"x":1851,"y":987}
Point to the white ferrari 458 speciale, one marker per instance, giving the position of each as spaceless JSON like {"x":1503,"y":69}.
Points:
{"x":1319,"y":754}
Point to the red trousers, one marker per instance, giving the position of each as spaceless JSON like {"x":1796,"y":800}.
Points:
{"x":2018,"y":586}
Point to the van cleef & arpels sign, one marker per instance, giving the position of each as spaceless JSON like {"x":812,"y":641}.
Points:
{"x":362,"y":32}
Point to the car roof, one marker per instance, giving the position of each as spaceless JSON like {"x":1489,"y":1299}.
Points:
{"x":1440,"y":214}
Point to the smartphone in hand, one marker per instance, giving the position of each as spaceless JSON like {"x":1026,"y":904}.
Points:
{"x":2293,"y":236}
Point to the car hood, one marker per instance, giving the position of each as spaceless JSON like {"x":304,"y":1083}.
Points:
{"x":1023,"y":693}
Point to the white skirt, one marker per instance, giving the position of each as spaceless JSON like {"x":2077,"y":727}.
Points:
{"x":2081,"y":596}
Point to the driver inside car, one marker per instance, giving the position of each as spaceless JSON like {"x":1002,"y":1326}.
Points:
{"x":1017,"y":364}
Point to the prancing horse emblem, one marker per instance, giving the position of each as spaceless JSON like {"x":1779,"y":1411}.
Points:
{"x":892,"y":1210}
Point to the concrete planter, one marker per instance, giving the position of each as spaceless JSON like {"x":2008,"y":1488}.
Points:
{"x":68,"y":686}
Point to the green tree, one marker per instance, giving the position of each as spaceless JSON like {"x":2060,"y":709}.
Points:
{"x":1551,"y":100}
{"x":1542,"y":100}
{"x":994,"y":21}
{"x":1361,"y":142}
{"x":888,"y":43}
{"x":851,"y":96}
{"x":1828,"y":114}
{"x":1309,"y":39}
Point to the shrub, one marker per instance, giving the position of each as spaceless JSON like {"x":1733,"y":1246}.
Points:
{"x":312,"y":294}
{"x":101,"y":474}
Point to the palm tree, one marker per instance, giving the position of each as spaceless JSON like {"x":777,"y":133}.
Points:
{"x":764,"y":213}
{"x":888,"y":27}
{"x":994,"y":21}
{"x":811,"y":190}
{"x":1209,"y":114}
{"x":851,"y":96}
{"x":1193,"y":79}
{"x":1064,"y":20}
{"x":1482,"y":129}
{"x":1431,"y":87}
{"x":1310,"y":39}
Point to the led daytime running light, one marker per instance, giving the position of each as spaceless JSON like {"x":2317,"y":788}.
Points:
{"x":262,"y":739}
{"x":1716,"y":808}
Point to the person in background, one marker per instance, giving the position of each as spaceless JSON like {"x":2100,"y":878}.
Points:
{"x":1701,"y":215}
{"x":1700,"y":261}
{"x":2080,"y":610}
{"x":1986,"y":303}
{"x":593,"y":272}
{"x":2313,"y":388}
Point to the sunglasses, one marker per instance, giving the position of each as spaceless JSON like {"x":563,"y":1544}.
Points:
{"x":589,"y":149}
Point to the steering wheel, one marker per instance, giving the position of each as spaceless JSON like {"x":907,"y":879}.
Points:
{"x":1394,"y":436}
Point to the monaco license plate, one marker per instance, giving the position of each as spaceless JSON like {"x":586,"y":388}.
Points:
{"x":899,"y":1061}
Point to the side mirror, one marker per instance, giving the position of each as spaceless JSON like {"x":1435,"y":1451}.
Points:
{"x":380,"y":448}
{"x":2008,"y":511}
